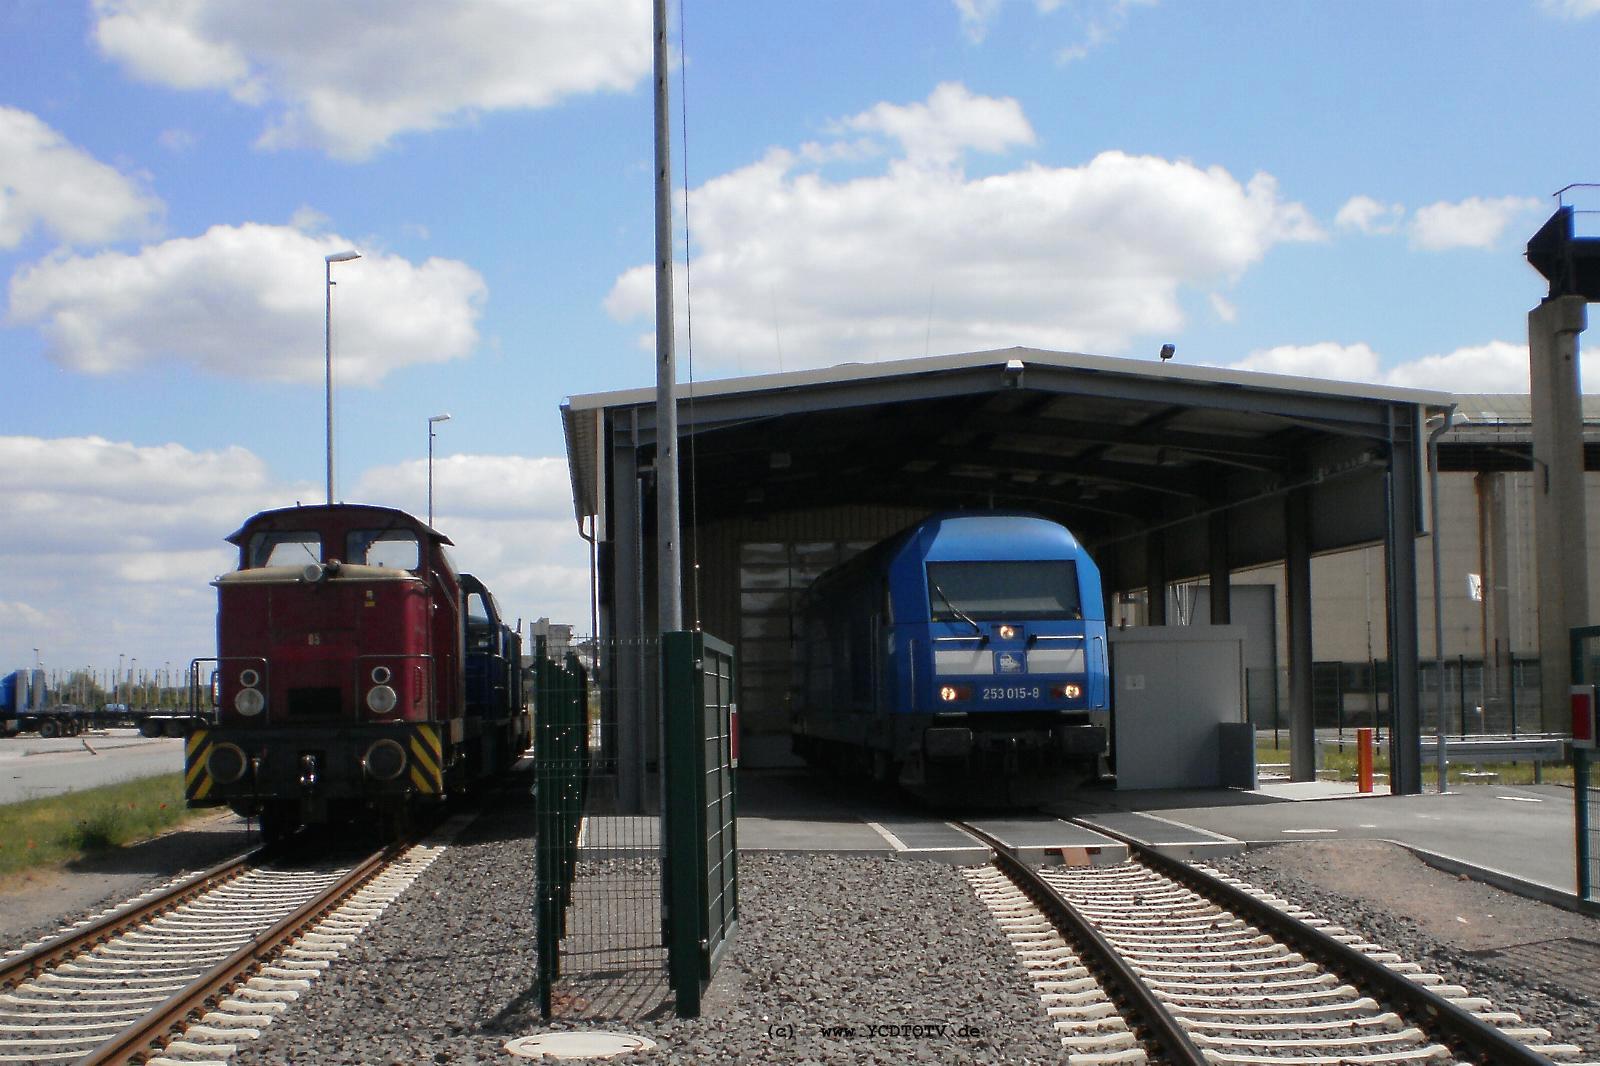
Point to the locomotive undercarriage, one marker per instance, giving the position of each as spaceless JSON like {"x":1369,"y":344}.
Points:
{"x":289,"y":777}
{"x":1003,"y":759}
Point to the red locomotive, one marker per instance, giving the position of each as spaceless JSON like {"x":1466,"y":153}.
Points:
{"x":357,"y":673}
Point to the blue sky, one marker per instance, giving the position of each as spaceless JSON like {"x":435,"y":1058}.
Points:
{"x":1339,"y":190}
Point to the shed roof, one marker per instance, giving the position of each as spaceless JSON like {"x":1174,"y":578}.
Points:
{"x":1105,"y":444}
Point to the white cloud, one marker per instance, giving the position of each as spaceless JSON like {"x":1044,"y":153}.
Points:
{"x":1367,"y":215}
{"x":47,"y":183}
{"x":1498,"y":366}
{"x":348,"y":78}
{"x":1223,"y":308}
{"x":507,"y":486}
{"x":951,"y":121}
{"x":924,"y":259}
{"x":247,"y":302}
{"x":1101,"y":21}
{"x":108,"y":547}
{"x":1571,"y":9}
{"x":976,"y":16}
{"x":1344,"y":362}
{"x":510,"y":517}
{"x":1472,"y":223}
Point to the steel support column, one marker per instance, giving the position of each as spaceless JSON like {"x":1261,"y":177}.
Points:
{"x":1297,"y":584}
{"x":1221,"y":592}
{"x":629,"y":662}
{"x":1400,"y":564}
{"x":1155,"y":555}
{"x":1558,"y":496}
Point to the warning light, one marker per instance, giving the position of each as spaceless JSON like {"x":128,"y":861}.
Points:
{"x":1583,"y":716}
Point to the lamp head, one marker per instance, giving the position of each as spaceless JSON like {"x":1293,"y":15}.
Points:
{"x":438,"y":418}
{"x":342,"y":257}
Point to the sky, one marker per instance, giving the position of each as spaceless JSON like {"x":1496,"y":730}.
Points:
{"x":1337,"y":190}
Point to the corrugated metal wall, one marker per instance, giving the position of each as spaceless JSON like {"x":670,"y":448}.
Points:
{"x":751,"y":573}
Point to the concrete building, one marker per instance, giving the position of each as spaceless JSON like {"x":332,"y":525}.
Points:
{"x":1489,"y":585}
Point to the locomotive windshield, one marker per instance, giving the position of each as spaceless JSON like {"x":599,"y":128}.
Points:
{"x":396,"y":548}
{"x":277,"y":547}
{"x":1004,"y":590}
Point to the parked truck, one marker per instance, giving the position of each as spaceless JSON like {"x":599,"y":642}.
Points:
{"x":27,"y":705}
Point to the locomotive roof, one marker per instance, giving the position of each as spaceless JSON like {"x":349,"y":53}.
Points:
{"x":297,"y":517}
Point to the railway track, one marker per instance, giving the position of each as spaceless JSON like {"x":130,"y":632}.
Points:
{"x":189,"y":972}
{"x":1153,"y":960}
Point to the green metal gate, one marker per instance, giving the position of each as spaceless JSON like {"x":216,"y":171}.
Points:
{"x":1585,"y":671}
{"x":561,"y":772}
{"x":701,"y":877}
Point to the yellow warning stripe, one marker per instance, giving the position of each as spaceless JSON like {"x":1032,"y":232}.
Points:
{"x":197,"y":779}
{"x":426,"y":756}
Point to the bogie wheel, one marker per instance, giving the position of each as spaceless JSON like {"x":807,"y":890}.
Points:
{"x":49,"y":728}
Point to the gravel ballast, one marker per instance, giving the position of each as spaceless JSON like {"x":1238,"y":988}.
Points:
{"x":836,"y":959}
{"x":1530,"y":957}
{"x":841,"y":959}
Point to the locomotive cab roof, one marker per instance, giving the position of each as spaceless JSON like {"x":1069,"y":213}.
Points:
{"x":348,"y":514}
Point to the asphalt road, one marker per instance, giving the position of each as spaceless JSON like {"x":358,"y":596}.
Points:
{"x":31,"y":767}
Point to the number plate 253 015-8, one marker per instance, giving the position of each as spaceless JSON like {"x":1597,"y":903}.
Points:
{"x":1011,"y":692}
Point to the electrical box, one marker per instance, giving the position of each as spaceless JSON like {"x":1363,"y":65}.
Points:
{"x":1178,"y":710}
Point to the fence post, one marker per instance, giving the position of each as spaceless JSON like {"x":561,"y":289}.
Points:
{"x":685,"y":830}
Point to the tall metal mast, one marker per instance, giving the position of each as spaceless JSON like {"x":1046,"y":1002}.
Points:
{"x":669,"y":569}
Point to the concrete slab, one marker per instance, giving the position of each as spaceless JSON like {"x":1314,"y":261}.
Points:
{"x":1520,"y":838}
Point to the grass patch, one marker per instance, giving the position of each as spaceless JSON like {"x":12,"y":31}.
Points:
{"x":58,"y":829}
{"x":1344,"y":763}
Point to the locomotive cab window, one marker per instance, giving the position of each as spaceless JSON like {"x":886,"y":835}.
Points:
{"x":996,"y":590}
{"x":397,"y":549}
{"x":477,"y":608}
{"x":278,"y":547}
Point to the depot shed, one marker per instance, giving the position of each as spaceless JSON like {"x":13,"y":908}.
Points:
{"x":1166,"y":472}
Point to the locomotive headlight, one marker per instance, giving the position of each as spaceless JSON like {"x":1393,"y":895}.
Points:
{"x":381,"y":699}
{"x":1008,"y":632}
{"x":226,"y":763}
{"x":381,"y":675}
{"x":952,"y":693}
{"x":249,"y":678}
{"x":249,"y":702}
{"x":384,"y":760}
{"x":1067,"y":692}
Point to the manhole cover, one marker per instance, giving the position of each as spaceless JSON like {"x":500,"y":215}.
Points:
{"x":595,"y":1045}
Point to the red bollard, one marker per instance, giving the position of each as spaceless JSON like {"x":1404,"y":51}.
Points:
{"x":1364,"y":760}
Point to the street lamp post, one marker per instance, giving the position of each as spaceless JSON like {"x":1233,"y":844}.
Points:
{"x":327,"y":344}
{"x":432,"y":421}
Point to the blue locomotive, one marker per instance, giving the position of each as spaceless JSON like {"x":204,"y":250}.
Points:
{"x":964,"y":658}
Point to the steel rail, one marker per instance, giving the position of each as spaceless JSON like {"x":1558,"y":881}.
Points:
{"x":1151,"y":1016}
{"x":72,"y":942}
{"x":148,"y":1031}
{"x":1450,"y":1024}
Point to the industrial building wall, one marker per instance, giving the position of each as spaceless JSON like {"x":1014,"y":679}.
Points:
{"x":752,"y":571}
{"x":1348,"y":617}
